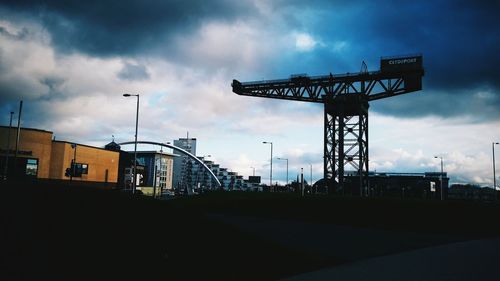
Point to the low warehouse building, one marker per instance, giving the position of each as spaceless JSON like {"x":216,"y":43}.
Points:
{"x":39,"y":156}
{"x":92,"y":164}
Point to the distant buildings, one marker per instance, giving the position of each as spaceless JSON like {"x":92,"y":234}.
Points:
{"x":190,"y":176}
{"x":40,"y":156}
{"x":399,"y":185}
{"x":409,"y":185}
{"x":472,"y":192}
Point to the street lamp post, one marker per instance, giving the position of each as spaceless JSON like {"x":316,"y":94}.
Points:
{"x":135,"y":143}
{"x":302,"y":180}
{"x":286,"y":167}
{"x":311,"y":176}
{"x":271,"y":173}
{"x":73,"y":163}
{"x":441,"y":175}
{"x":494,"y":171}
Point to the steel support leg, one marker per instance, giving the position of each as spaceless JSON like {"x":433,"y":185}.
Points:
{"x":346,"y":145}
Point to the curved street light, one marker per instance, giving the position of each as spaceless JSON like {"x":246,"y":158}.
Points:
{"x":286,"y":159}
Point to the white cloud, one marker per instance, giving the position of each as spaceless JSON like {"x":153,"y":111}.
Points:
{"x":24,"y":64}
{"x":305,"y":42}
{"x":234,"y":46}
{"x":409,"y":145}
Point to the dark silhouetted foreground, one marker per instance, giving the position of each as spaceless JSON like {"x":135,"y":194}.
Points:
{"x":62,"y":232}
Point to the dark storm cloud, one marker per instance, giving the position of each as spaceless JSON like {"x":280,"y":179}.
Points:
{"x":133,"y":72}
{"x":458,"y":39}
{"x":107,"y":28}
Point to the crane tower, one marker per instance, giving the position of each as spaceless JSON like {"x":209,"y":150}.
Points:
{"x":346,"y":100}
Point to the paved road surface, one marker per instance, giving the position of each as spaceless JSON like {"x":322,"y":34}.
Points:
{"x":372,"y":254}
{"x":337,"y":241}
{"x":477,"y":260}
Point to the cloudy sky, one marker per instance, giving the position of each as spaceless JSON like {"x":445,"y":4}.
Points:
{"x":71,"y":61}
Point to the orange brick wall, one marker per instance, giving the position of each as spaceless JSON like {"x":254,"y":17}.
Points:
{"x":98,"y":160}
{"x":39,"y":142}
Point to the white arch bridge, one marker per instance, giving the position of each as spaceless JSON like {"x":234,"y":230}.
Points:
{"x":183,"y":151}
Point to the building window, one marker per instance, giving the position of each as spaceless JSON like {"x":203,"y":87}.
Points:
{"x":32,"y":167}
{"x":80,"y":169}
{"x":85,"y":168}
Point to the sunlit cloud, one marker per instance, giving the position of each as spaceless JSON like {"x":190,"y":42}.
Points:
{"x":305,"y":42}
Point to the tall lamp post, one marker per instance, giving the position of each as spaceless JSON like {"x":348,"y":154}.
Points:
{"x":311,"y":175}
{"x":73,"y":163}
{"x":286,"y":167}
{"x":271,"y":173}
{"x":135,"y":143}
{"x":494,"y":172}
{"x":441,"y":175}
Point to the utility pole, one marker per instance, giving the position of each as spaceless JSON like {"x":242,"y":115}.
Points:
{"x":17,"y":137}
{"x":5,"y":169}
{"x":494,"y":170}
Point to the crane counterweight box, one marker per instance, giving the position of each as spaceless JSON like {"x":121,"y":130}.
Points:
{"x":398,"y":64}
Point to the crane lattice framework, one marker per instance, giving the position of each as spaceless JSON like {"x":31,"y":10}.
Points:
{"x":346,"y":100}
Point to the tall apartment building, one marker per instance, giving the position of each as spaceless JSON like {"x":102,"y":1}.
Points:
{"x":189,"y":175}
{"x":201,"y":178}
{"x":183,"y":165}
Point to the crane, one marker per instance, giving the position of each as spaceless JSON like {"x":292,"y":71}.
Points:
{"x":346,"y":100}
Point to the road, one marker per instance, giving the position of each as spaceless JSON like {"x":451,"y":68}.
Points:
{"x":373,"y":254}
{"x":476,"y":260}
